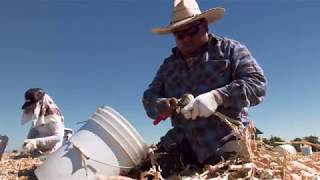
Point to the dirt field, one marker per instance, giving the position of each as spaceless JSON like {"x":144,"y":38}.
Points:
{"x":15,"y":166}
{"x":265,"y":165}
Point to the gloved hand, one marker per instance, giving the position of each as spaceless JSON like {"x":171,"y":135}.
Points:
{"x":203,"y":105}
{"x":29,"y":145}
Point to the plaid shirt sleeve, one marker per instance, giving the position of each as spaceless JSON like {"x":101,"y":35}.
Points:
{"x":154,"y":94}
{"x":248,"y":86}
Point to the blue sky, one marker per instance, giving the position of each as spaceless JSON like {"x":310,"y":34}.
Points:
{"x":101,"y":52}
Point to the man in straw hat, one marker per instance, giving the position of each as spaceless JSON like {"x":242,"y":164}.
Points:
{"x":220,"y":73}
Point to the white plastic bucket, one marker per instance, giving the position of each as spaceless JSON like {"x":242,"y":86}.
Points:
{"x":306,"y":150}
{"x":286,"y":150}
{"x":110,"y":142}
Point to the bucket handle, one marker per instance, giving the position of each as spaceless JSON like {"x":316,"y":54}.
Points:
{"x":85,"y":157}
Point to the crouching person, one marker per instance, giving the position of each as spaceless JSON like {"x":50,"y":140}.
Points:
{"x":224,"y":79}
{"x":47,"y":130}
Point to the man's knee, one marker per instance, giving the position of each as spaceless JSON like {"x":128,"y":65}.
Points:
{"x":235,"y":146}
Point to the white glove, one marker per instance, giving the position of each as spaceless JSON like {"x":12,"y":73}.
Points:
{"x":187,"y":99}
{"x":203,"y":105}
{"x":29,"y":145}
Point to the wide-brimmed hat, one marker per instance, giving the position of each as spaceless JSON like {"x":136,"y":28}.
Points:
{"x":187,"y":11}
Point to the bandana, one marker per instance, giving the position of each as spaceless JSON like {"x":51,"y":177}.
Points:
{"x":45,"y":112}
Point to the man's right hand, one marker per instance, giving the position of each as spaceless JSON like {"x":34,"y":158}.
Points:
{"x":167,"y":106}
{"x":29,"y":145}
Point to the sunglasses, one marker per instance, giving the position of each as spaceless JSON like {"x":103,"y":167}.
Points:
{"x":193,"y":30}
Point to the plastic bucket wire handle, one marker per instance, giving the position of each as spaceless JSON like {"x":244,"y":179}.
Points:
{"x":106,"y":144}
{"x":67,"y":161}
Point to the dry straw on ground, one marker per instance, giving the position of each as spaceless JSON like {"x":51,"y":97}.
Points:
{"x":265,"y":163}
{"x":15,"y":166}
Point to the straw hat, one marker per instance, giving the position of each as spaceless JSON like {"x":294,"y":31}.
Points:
{"x":187,"y":11}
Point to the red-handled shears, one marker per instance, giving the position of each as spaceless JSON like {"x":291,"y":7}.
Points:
{"x":159,"y":119}
{"x":176,"y":105}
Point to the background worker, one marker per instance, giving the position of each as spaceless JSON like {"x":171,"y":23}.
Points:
{"x":47,"y":130}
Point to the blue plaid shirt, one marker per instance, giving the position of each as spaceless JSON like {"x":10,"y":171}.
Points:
{"x":226,"y":66}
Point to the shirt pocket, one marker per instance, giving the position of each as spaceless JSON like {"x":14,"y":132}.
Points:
{"x":216,"y":73}
{"x":217,"y":65}
{"x":175,"y":83}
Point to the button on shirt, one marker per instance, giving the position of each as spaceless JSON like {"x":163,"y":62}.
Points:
{"x":226,"y":66}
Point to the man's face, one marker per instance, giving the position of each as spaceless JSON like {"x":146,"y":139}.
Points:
{"x":191,"y":38}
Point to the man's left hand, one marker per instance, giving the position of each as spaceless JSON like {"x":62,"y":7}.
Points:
{"x":203,"y":105}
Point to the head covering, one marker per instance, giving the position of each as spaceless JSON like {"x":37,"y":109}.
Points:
{"x":44,"y":106}
{"x":187,"y":11}
{"x":32,"y":95}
